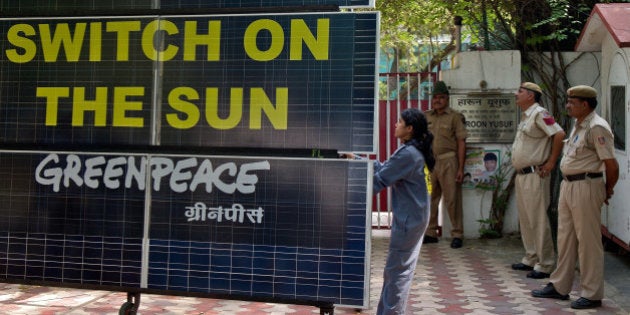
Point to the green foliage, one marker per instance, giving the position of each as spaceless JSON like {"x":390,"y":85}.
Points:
{"x":539,"y":29}
{"x":487,"y":229}
{"x":406,"y":23}
{"x":559,"y":23}
{"x":410,"y":32}
{"x":499,"y":24}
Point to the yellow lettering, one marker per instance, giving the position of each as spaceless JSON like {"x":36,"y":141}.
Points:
{"x":15,"y":38}
{"x":212,"y":40}
{"x":51,"y":45}
{"x":96,"y":41}
{"x":301,"y":33}
{"x":176,"y":101}
{"x":180,"y":100}
{"x":80,"y":105}
{"x":212,"y":108}
{"x":259,"y":102}
{"x":122,"y":30}
{"x":52,"y":95}
{"x":122,"y":106}
{"x":276,"y":40}
{"x":263,"y":40}
{"x":149,"y":40}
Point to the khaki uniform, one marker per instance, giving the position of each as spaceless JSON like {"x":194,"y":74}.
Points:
{"x":579,"y":208}
{"x":531,"y":148}
{"x":446,"y":128}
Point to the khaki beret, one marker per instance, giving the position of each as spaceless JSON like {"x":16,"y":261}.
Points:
{"x":582,"y":91}
{"x":440,"y":88}
{"x":532,"y":87}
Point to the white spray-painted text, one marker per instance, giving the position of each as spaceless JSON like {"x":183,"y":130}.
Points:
{"x":182,"y":175}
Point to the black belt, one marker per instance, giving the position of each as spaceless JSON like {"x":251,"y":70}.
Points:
{"x":581,"y":176}
{"x":526,"y":170}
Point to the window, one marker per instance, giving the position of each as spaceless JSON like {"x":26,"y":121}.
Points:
{"x":618,"y":115}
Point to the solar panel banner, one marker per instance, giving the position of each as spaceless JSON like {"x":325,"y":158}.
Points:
{"x":132,"y":150}
{"x":292,"y":81}
{"x":258,"y":227}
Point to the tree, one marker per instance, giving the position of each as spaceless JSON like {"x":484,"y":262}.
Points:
{"x":412,"y":39}
{"x":407,"y":25}
{"x":530,"y":26}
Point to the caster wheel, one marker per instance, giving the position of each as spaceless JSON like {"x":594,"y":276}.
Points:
{"x":127,"y":309}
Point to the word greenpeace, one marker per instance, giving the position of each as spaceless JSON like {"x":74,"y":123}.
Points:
{"x":200,"y":212}
{"x":182,"y":175}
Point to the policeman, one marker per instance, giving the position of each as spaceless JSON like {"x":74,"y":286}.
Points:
{"x":449,"y":148}
{"x":535,"y":151}
{"x":590,"y":173}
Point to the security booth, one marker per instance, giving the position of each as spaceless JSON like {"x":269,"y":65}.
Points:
{"x":606,"y":31}
{"x":189,"y":149}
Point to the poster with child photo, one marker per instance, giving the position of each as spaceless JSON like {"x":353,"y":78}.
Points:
{"x":480,"y":168}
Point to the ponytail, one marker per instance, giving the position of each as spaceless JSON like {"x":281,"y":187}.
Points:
{"x":426,"y":147}
{"x":422,"y":137}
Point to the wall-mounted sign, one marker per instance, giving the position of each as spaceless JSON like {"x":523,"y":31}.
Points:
{"x":489,"y":118}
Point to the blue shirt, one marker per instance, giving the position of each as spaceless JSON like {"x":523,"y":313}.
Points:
{"x":404,"y":172}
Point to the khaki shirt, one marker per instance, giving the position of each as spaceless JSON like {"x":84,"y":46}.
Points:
{"x":532,"y":144}
{"x":446,"y":128}
{"x":589,"y":144}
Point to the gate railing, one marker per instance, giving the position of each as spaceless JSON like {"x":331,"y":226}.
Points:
{"x":398,"y":91}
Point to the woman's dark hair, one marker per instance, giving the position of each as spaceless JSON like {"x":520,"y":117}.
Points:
{"x":422,"y":137}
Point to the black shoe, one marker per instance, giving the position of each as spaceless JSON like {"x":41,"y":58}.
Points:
{"x":429,"y":239}
{"x":549,"y":292}
{"x":521,"y":266}
{"x":537,"y":275}
{"x":457,"y":243}
{"x":584,"y":303}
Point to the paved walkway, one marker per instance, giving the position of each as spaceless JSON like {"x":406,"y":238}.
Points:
{"x":475,"y":279}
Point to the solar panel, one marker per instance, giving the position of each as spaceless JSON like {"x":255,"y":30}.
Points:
{"x":108,"y":126}
{"x":288,"y":228}
{"x":101,"y":81}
